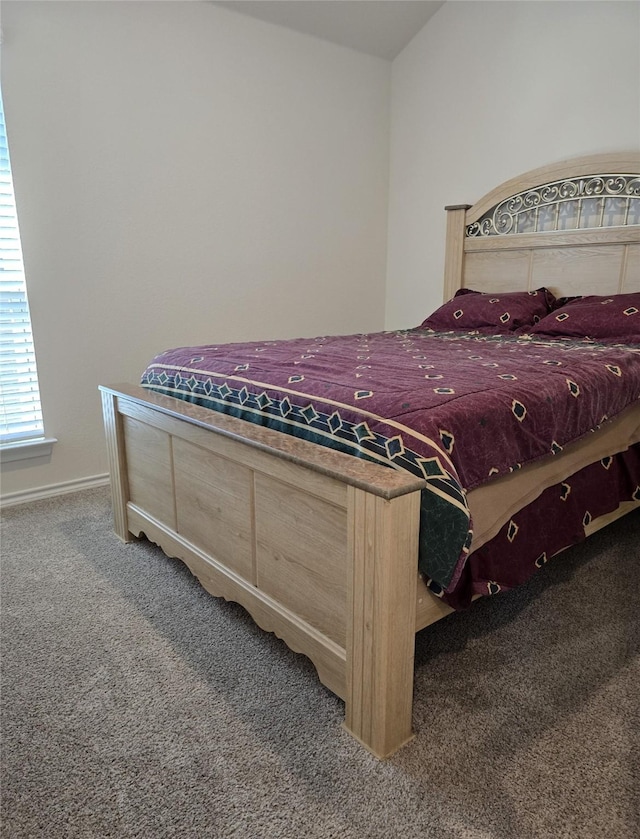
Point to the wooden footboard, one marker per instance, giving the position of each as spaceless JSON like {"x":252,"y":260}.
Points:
{"x":320,"y":548}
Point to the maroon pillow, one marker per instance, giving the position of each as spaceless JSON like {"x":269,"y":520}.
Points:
{"x":501,"y":312}
{"x":613,"y":318}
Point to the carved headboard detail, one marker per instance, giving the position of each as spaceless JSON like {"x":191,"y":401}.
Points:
{"x":571,"y":204}
{"x":573,"y":227}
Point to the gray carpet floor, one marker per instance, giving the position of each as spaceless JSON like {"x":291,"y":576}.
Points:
{"x":136,"y":705}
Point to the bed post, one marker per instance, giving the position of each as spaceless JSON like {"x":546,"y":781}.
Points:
{"x":117,"y":464}
{"x":454,"y":250}
{"x":383,"y":553}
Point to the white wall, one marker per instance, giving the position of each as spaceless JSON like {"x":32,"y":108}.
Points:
{"x":486,"y":91}
{"x":183,"y":174}
{"x":172,"y":152}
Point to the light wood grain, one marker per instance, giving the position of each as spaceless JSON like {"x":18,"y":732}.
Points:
{"x":301,"y":554}
{"x":117,"y":464}
{"x":381,"y":629}
{"x":149,"y":469}
{"x":587,"y":270}
{"x":492,"y":272}
{"x":454,"y":257}
{"x":214,"y":500}
{"x":246,"y":443}
{"x":429,"y":608}
{"x":557,"y":239}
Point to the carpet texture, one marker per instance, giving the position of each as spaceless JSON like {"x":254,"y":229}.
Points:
{"x":136,"y":705}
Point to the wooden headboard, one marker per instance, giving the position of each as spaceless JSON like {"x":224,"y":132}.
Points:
{"x":573,"y":227}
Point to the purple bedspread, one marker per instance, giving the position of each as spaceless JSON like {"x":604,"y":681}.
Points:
{"x":454,"y":408}
{"x":554,"y":521}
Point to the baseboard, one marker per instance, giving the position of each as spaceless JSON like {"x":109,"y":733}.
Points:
{"x":26,"y":495}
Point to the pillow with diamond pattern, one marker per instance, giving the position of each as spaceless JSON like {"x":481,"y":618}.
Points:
{"x":497,"y":313}
{"x":602,"y":318}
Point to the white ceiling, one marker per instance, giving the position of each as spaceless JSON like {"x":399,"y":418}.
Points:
{"x":377,"y":27}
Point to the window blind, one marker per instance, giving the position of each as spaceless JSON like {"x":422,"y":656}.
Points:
{"x":20,"y":410}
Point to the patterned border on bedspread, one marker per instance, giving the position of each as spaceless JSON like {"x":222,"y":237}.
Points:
{"x":396,"y":399}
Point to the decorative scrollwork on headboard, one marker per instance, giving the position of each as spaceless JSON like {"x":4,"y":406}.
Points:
{"x":571,"y":204}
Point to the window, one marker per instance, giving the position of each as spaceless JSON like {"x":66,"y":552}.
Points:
{"x":20,"y":411}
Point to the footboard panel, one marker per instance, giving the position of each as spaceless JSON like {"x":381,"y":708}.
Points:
{"x":320,"y":548}
{"x":148,"y":455}
{"x":214,"y":499}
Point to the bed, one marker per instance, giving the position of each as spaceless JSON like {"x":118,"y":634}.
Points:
{"x":326,"y":550}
